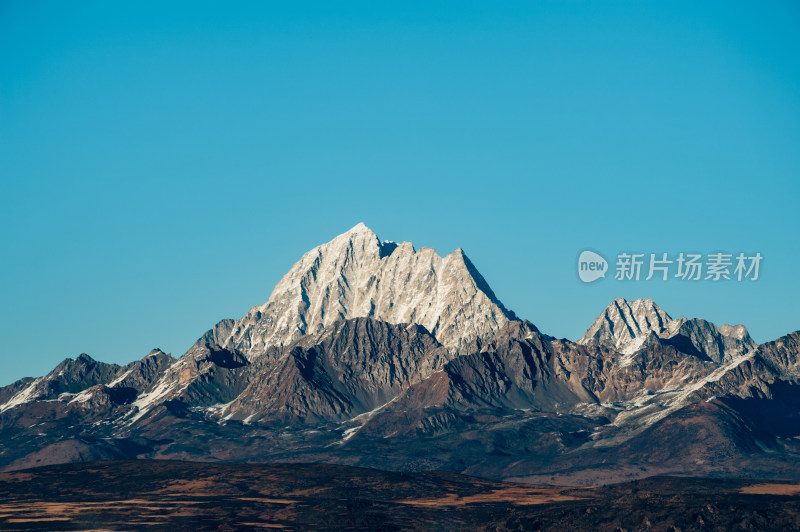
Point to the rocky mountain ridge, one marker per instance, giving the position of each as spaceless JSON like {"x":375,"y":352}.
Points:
{"x":366,"y":344}
{"x":628,"y":326}
{"x":357,"y":275}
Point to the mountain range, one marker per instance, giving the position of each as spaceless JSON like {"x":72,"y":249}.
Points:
{"x":376,"y":354}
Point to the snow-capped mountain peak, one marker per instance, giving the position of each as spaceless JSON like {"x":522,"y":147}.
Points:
{"x":625,"y":326}
{"x":358,"y":275}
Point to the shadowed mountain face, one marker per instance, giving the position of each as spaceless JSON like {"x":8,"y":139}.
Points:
{"x":351,"y":368}
{"x":371,"y":353}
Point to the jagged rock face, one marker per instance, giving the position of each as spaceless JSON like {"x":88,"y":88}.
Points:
{"x":627,"y":327}
{"x":520,"y":370}
{"x":103,"y":398}
{"x":756,"y":373}
{"x":356,"y":275}
{"x":79,"y":380}
{"x":8,"y":392}
{"x":69,"y":377}
{"x":350,"y":368}
{"x":782,"y":354}
{"x":140,"y":374}
{"x":702,"y":338}
{"x":516,"y":373}
{"x":523,"y":369}
{"x":207,"y":374}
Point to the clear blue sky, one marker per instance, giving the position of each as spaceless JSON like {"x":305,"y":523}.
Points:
{"x":164,"y":163}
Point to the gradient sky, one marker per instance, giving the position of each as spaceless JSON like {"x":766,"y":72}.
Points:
{"x":163,"y":164}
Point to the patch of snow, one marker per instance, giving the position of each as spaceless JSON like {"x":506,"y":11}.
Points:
{"x":167,"y":385}
{"x":631,"y":348}
{"x":82,"y":397}
{"x":374,"y":411}
{"x":25,"y":396}
{"x":119,"y":379}
{"x":349,"y":433}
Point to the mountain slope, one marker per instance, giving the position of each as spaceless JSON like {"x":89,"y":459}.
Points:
{"x":350,"y":368}
{"x":628,"y":326}
{"x":624,"y":326}
{"x":71,"y":377}
{"x":372,"y":353}
{"x":356,"y":275}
